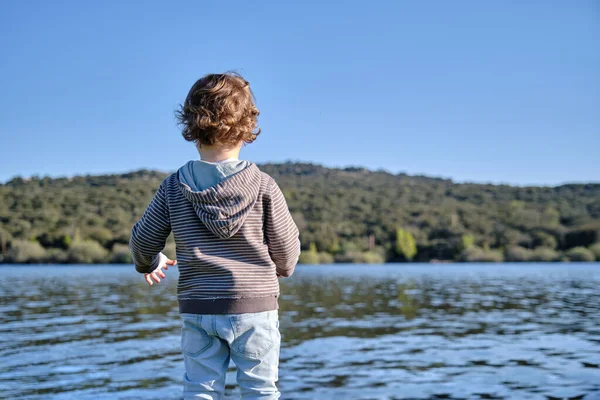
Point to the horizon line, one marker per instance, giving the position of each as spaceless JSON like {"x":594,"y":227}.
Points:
{"x":338,"y":167}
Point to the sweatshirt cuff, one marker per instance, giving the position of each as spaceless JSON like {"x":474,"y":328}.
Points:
{"x":157,"y":261}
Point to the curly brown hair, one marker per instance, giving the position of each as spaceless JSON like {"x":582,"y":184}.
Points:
{"x":219,"y":110}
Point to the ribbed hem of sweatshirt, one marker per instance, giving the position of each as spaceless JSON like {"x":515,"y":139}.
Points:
{"x":228,"y":306}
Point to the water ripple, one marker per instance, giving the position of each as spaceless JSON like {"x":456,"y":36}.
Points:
{"x":349,"y":332}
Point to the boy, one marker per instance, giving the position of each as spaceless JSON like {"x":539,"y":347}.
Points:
{"x":234,"y":237}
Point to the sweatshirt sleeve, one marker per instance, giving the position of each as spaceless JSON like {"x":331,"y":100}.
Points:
{"x":281,"y":232}
{"x":149,"y":234}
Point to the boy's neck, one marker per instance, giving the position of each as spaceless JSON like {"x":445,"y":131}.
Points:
{"x":216,"y":154}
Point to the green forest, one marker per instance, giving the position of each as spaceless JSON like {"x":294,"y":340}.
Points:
{"x":345,"y":215}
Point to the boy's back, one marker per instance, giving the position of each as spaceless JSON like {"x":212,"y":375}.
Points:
{"x":232,"y":241}
{"x":234,"y":237}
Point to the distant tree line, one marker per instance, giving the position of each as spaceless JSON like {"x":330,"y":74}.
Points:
{"x":344,"y":215}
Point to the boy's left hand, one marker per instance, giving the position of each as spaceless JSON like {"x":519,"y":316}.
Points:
{"x":164,"y":263}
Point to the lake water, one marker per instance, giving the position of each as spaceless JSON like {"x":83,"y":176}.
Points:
{"x":520,"y":331}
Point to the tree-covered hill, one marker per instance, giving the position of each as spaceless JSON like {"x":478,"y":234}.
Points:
{"x":345,"y":215}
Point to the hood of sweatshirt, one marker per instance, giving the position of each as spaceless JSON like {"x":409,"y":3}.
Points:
{"x":222,"y":193}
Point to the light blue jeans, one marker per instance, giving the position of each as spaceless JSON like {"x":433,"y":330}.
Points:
{"x":251,"y":340}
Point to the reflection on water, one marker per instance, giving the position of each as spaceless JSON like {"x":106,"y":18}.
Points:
{"x":349,"y":332}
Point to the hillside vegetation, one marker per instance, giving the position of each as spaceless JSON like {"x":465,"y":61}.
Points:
{"x":344,"y":215}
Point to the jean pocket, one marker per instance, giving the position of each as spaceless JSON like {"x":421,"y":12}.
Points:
{"x":254,"y":334}
{"x":194,"y":339}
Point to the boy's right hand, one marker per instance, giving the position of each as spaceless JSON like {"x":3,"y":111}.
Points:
{"x":164,"y":263}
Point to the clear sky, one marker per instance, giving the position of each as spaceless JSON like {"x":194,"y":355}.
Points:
{"x":485,"y":91}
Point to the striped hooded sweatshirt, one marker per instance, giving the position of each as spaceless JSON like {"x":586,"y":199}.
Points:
{"x":233,"y":238}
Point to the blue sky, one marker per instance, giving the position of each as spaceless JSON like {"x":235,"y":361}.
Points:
{"x":484,"y":91}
